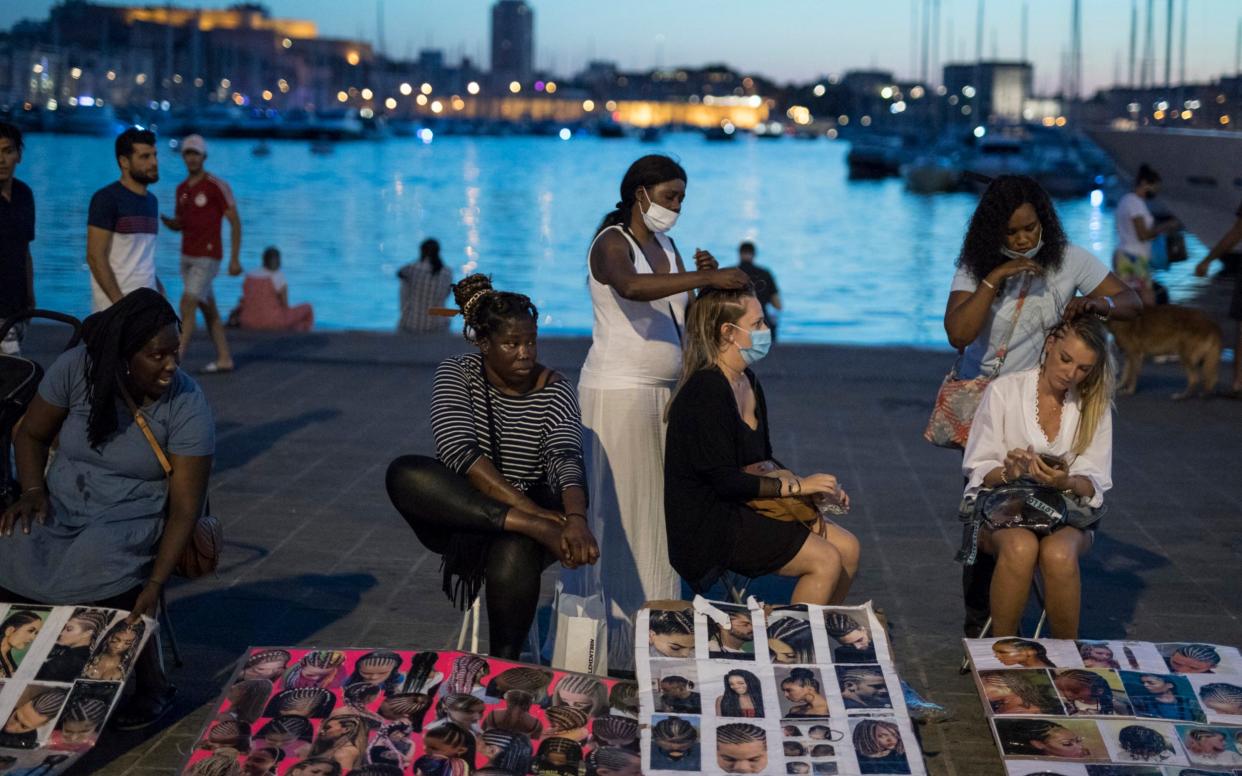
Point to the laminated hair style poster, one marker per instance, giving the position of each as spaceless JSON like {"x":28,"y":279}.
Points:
{"x":730,"y":688}
{"x":378,"y":712}
{"x":61,"y":673}
{"x":1111,"y":708}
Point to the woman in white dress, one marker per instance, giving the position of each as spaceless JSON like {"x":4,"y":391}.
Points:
{"x":1051,"y":425}
{"x":639,"y":291}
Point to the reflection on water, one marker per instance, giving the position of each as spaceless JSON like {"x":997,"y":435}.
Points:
{"x":861,"y":262}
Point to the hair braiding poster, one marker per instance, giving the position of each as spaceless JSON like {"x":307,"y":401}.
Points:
{"x":1111,"y":708}
{"x":729,"y":688}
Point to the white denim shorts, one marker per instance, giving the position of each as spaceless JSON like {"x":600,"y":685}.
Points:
{"x":197,"y":272}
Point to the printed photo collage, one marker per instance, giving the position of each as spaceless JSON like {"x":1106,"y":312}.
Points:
{"x":728,"y":688}
{"x":357,"y":712}
{"x":1112,"y":708}
{"x":61,"y":673}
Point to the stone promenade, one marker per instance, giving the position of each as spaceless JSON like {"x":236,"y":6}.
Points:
{"x":317,"y":556}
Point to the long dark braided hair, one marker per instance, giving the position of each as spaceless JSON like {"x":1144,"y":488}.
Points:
{"x":112,"y":338}
{"x":731,"y":701}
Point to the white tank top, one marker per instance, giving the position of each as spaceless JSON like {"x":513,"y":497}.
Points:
{"x":634,"y":344}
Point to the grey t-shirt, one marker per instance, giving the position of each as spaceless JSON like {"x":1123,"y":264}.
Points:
{"x":1080,"y":272}
{"x":107,"y":504}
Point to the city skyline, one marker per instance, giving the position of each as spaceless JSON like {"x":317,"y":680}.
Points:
{"x":786,"y":45}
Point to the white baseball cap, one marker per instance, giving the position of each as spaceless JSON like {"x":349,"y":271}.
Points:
{"x":194,"y":143}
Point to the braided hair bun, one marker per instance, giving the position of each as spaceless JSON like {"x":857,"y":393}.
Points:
{"x":486,"y":310}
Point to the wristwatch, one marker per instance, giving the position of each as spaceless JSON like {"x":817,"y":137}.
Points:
{"x":1111,"y":306}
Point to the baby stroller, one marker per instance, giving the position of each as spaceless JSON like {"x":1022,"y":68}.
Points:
{"x":19,"y":379}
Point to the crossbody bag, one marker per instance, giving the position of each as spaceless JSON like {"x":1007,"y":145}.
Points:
{"x":201,"y":555}
{"x":957,"y":399}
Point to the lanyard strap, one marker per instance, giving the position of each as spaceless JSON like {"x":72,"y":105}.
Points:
{"x":1003,"y":350}
{"x":141,"y":420}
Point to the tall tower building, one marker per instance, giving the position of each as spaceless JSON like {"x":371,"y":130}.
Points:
{"x":513,"y":41}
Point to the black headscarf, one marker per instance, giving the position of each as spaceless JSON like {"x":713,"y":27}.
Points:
{"x":112,"y":337}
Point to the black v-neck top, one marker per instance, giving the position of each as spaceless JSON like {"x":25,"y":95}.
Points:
{"x":705,"y":489}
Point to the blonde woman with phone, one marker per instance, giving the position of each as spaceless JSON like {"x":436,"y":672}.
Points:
{"x":1049,"y":429}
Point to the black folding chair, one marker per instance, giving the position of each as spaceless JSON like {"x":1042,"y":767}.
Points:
{"x":19,"y":381}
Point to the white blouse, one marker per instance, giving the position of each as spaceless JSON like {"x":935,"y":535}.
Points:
{"x":1007,"y":419}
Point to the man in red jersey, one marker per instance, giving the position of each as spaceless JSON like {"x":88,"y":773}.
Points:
{"x":203,"y":201}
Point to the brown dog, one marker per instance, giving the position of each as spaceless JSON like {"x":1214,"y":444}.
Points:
{"x":1170,"y":329}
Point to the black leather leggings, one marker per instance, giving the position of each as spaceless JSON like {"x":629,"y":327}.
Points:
{"x":449,"y":516}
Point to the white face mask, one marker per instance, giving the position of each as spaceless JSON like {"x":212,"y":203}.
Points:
{"x":1025,"y":254}
{"x":1011,"y":254}
{"x":658,"y":218}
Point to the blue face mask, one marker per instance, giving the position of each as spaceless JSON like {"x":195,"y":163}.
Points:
{"x":760,"y":344}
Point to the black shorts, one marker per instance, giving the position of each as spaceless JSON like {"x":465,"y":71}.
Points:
{"x":764,"y":546}
{"x":1235,"y":306}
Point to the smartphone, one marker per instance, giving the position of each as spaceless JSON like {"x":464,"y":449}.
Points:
{"x":1055,"y":461}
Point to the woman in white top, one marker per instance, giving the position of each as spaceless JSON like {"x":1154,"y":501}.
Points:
{"x":1028,"y":424}
{"x":1136,"y":229}
{"x":1015,"y":250}
{"x":639,"y":291}
{"x":1015,"y":241}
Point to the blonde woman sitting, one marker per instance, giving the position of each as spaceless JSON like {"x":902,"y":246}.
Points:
{"x":718,"y":426}
{"x":1049,"y":426}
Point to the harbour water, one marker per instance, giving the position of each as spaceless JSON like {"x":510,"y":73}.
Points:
{"x":857,"y":262}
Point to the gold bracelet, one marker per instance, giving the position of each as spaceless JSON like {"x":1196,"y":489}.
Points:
{"x":987,"y":283}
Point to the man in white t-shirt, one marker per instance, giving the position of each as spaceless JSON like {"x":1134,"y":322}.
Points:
{"x":1136,"y":228}
{"x":122,"y":223}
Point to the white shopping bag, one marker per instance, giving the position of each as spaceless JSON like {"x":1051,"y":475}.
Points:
{"x":581,"y":633}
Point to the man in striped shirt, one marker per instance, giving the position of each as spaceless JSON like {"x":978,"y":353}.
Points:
{"x":122,"y":223}
{"x":203,"y":202}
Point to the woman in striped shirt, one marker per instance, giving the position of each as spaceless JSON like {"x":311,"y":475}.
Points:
{"x":504,"y":497}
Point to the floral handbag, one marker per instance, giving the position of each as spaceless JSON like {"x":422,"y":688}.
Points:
{"x":957,"y":399}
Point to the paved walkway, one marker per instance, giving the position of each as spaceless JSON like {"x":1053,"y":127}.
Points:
{"x":316,"y":555}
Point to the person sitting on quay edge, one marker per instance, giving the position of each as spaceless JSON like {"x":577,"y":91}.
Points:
{"x":505,"y":497}
{"x":425,"y":283}
{"x":115,"y":543}
{"x":264,"y":305}
{"x":1048,"y":426}
{"x":718,"y":426}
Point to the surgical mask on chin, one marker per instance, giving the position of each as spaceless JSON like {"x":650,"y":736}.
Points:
{"x":760,"y":344}
{"x":1024,"y":254}
{"x":658,"y":218}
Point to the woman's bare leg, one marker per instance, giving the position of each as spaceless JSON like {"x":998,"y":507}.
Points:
{"x":1058,"y":560}
{"x":818,"y":568}
{"x":847,"y":547}
{"x":1016,"y":551}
